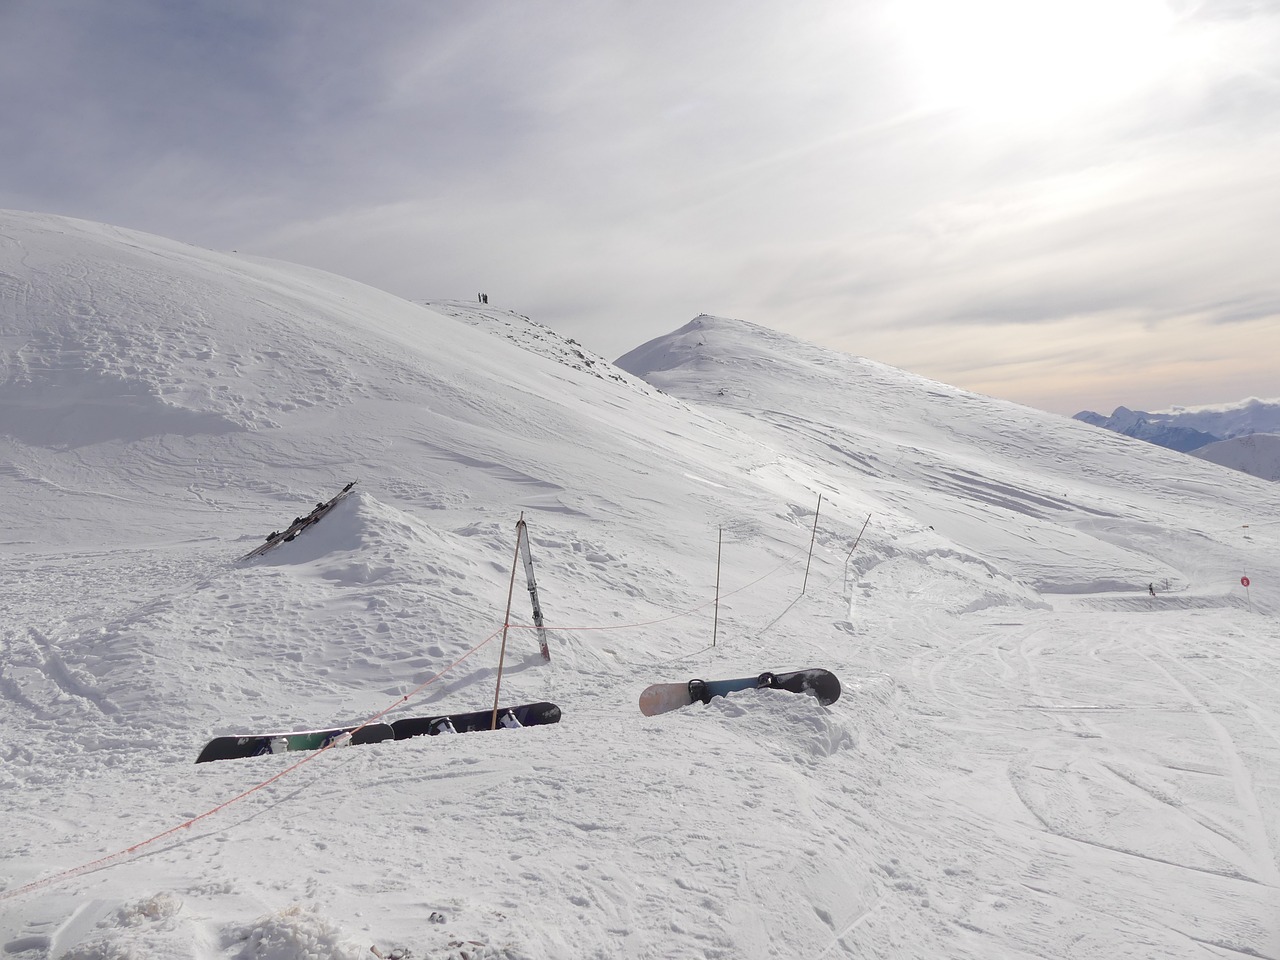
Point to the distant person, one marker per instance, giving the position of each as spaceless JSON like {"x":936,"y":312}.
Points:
{"x":485,"y":300}
{"x":1151,"y":589}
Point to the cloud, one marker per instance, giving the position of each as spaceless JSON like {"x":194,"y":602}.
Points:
{"x":616,"y":168}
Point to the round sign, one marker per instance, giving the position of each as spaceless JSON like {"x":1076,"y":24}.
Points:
{"x":1244,"y":581}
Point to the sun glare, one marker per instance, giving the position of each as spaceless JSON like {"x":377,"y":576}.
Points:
{"x":1023,"y":60}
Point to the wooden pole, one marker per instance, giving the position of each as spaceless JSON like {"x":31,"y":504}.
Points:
{"x":812,"y":539}
{"x":715,"y":623}
{"x":506,"y":622}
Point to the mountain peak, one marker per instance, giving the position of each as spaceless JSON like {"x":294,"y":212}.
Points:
{"x":1189,"y":428}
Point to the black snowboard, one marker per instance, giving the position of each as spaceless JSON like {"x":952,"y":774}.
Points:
{"x":255,"y":745}
{"x":525,"y":715}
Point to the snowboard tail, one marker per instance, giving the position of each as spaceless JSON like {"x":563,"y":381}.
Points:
{"x":662,"y":697}
{"x":255,"y":745}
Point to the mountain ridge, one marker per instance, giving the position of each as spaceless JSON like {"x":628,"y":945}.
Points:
{"x":1187,"y":428}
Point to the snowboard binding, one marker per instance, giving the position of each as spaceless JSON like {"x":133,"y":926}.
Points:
{"x":698,"y":692}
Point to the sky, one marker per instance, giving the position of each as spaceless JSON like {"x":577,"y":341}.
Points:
{"x":1067,"y":203}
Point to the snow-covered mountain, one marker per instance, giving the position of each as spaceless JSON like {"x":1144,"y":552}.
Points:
{"x":1229,"y":420}
{"x":1145,"y":426}
{"x":1190,"y":428}
{"x":1033,"y":755}
{"x":1257,"y":454}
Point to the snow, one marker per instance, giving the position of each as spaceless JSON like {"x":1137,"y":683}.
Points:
{"x":1032,"y":756}
{"x":1257,"y":454}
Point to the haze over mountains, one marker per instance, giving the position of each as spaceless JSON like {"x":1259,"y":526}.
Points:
{"x":1033,"y":756}
{"x":1217,"y":433}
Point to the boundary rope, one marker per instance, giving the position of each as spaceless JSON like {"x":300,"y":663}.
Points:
{"x":110,"y":858}
{"x":675,"y":616}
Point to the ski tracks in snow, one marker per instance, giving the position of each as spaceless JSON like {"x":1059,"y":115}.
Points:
{"x":1134,"y":763}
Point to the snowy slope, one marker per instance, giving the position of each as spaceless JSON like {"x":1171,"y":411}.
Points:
{"x":532,"y":336}
{"x":1257,"y":454}
{"x":1032,"y":757}
{"x":1054,"y":504}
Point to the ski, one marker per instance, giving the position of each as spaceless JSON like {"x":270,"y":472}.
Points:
{"x":275,"y":538}
{"x":522,"y":535}
{"x":240,"y":746}
{"x":661,"y":697}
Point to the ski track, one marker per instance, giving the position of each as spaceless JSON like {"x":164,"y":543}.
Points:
{"x":1259,"y":829}
{"x":1224,"y":845}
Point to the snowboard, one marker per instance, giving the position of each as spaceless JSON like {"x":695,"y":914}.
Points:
{"x":661,"y":697}
{"x":525,"y":715}
{"x":235,"y":747}
{"x":277,"y":537}
{"x":255,"y":745}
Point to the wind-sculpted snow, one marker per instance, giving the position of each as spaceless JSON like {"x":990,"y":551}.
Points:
{"x":1033,"y":755}
{"x":117,"y":336}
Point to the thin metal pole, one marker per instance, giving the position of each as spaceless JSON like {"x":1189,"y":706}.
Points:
{"x":506,"y":622}
{"x":812,"y":539}
{"x":857,"y":541}
{"x":859,"y":538}
{"x":715,"y":624}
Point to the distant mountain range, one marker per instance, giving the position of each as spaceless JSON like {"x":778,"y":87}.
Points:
{"x":1244,"y":436}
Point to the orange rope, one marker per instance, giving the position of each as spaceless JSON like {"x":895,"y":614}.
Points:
{"x":103,"y":861}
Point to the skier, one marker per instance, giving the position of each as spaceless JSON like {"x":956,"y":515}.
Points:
{"x":1151,"y":588}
